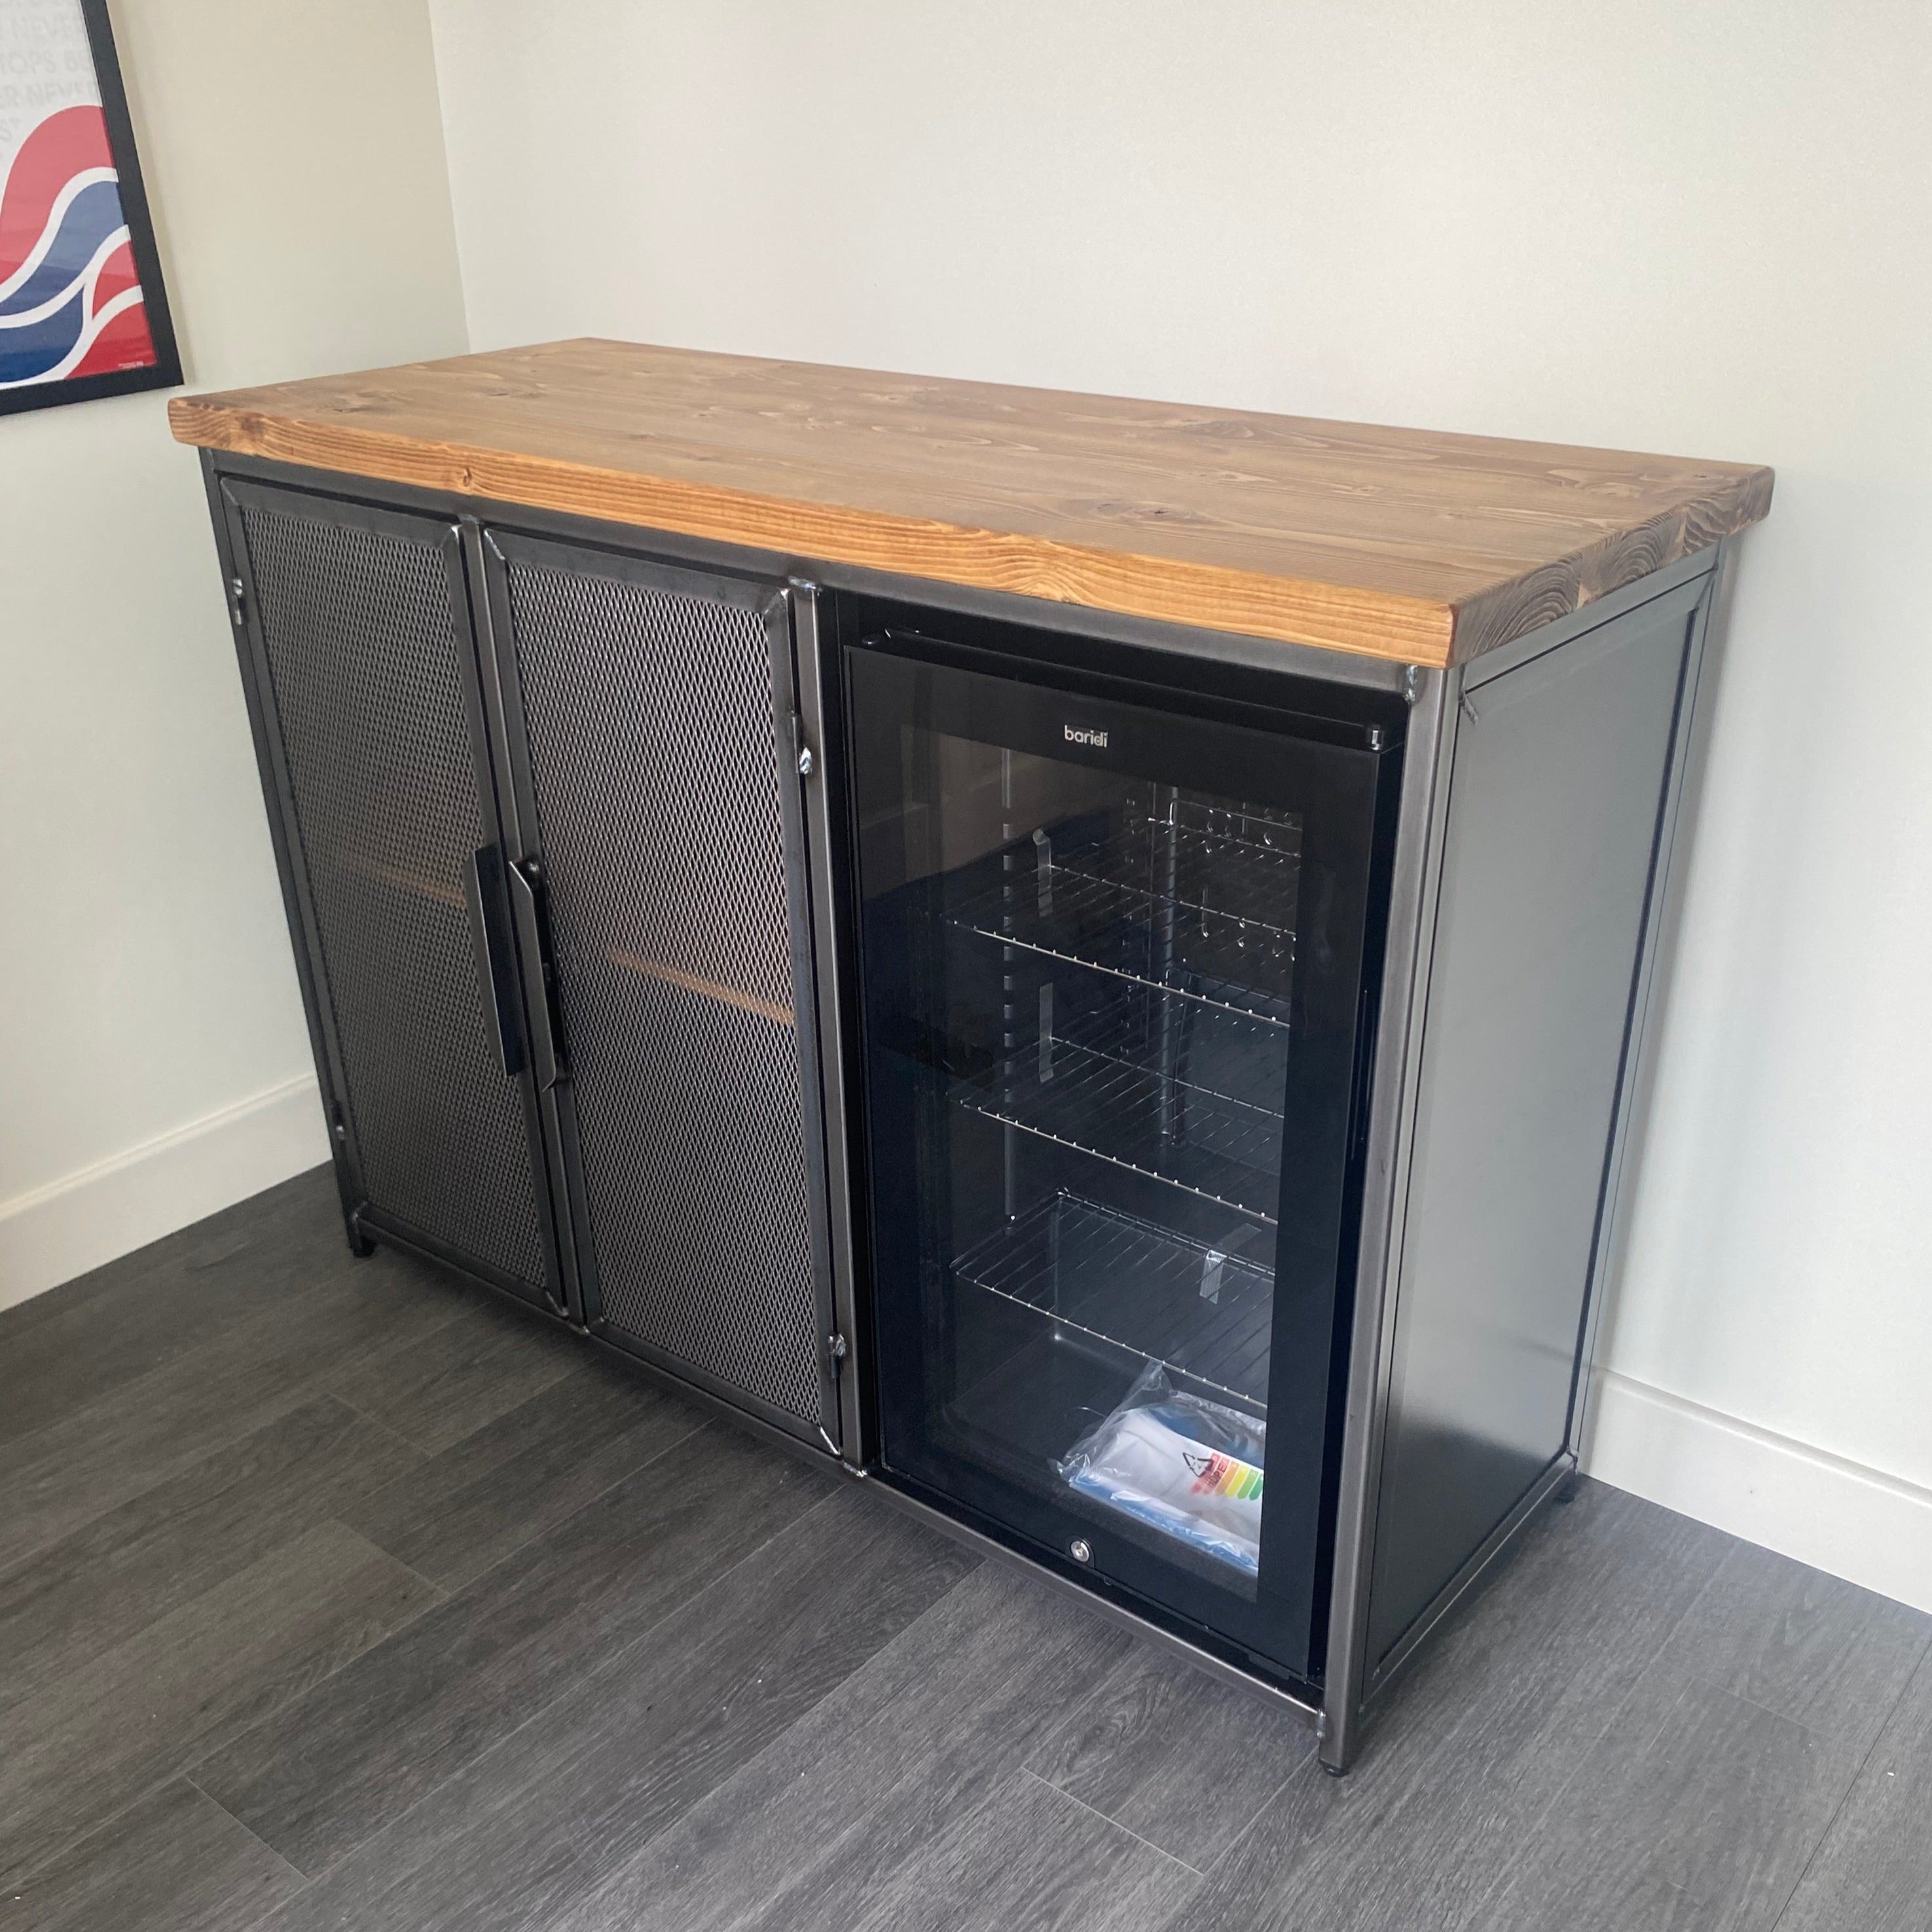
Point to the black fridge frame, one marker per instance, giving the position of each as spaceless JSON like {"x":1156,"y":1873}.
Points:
{"x":1363,"y":718}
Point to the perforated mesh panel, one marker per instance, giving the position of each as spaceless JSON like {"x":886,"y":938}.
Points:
{"x":363,"y":642}
{"x":656,"y":773}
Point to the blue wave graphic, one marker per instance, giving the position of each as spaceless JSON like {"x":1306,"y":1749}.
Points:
{"x":33,"y":348}
{"x":91,"y":217}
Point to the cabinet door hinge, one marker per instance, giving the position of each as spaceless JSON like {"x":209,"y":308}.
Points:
{"x":836,"y":1346}
{"x":238,"y":602}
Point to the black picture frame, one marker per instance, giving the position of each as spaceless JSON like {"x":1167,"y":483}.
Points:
{"x":165,"y":372}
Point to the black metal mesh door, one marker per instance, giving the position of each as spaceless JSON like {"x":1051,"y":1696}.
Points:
{"x":655,"y":771}
{"x":362,"y":623}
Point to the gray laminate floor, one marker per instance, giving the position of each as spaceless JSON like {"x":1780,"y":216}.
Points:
{"x":335,"y":1594}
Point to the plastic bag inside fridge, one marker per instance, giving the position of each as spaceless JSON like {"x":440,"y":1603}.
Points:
{"x":1180,"y":1464}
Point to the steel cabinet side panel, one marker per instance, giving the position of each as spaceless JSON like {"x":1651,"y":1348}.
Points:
{"x":1558,"y":781}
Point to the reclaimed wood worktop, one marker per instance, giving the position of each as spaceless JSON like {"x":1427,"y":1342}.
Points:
{"x":1412,"y":545}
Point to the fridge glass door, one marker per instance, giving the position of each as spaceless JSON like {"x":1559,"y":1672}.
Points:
{"x":1112,"y":964}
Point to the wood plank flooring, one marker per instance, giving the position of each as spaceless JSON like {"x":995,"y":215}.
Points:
{"x":336,"y":1594}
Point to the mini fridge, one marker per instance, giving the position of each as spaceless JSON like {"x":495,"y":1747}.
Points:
{"x":1118,"y":948}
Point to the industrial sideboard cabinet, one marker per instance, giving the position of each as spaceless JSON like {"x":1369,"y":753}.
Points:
{"x":1086,"y":962}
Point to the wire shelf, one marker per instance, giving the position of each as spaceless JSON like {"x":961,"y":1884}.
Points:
{"x":1125,"y":1024}
{"x":1206,"y":1144}
{"x":1211,"y":861}
{"x":1187,"y":907}
{"x":1204,"y":1313}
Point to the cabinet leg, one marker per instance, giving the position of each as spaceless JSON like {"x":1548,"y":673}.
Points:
{"x":1336,"y":1743}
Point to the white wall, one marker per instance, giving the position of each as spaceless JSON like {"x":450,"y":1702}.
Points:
{"x":153,"y":1065}
{"x":1704,"y":230}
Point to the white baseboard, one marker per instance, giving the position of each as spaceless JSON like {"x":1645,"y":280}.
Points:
{"x":55,"y":1232}
{"x":1869,"y":1528}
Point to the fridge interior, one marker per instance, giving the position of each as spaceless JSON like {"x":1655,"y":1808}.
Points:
{"x":1108,"y":979}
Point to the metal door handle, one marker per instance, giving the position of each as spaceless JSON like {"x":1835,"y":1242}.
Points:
{"x":489,"y":933}
{"x":526,"y":904}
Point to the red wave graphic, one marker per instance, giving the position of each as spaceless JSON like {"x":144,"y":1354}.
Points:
{"x":50,"y":157}
{"x":115,"y":274}
{"x":124,"y":343}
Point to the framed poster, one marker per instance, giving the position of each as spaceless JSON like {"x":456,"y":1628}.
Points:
{"x":82,"y":309}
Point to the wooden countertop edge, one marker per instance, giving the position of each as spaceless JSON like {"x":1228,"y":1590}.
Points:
{"x":1540,"y":596}
{"x":1284,"y":610}
{"x":1365,"y":621}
